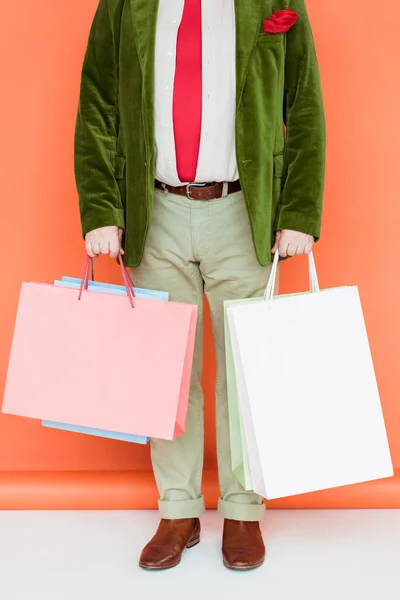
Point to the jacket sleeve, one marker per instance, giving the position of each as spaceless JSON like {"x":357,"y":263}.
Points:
{"x":95,"y":134}
{"x":304,"y":157}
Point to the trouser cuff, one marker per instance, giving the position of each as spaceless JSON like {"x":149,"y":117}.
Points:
{"x":181,"y":509}
{"x":241,"y":512}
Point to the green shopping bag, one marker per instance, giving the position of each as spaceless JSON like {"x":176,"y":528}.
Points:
{"x":239,"y":455}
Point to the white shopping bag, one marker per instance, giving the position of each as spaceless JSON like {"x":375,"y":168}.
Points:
{"x":307,"y":391}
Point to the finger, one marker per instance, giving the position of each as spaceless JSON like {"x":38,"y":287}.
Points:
{"x":89,"y":249}
{"x":278,"y":236}
{"x":114,"y":248}
{"x":95,"y":247}
{"x":105,"y":247}
{"x":300,"y":249}
{"x":283,"y":247}
{"x":308,"y":248}
{"x":120,"y":234}
{"x":291,"y":250}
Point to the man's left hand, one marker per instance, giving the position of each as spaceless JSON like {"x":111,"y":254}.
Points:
{"x":289,"y":243}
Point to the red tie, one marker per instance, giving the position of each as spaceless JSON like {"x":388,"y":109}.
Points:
{"x":187,"y":103}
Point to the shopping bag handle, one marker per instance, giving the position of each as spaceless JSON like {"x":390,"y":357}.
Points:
{"x":125,"y":276}
{"x":93,"y":277}
{"x":314,"y":285}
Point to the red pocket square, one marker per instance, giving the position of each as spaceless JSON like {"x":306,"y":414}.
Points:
{"x":281,"y":21}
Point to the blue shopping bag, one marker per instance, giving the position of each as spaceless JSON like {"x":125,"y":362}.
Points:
{"x":97,"y":286}
{"x":111,"y":288}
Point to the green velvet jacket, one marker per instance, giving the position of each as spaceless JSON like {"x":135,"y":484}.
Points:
{"x":280,"y":123}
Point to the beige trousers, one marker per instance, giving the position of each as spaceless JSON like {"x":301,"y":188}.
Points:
{"x":196,"y":247}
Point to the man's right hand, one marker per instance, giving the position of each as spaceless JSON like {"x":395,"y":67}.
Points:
{"x":106,"y":240}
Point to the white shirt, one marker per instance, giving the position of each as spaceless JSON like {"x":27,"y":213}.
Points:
{"x":217,"y":154}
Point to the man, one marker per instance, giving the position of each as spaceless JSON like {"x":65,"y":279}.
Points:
{"x":226,"y":95}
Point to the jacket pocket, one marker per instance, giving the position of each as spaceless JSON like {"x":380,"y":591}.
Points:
{"x":270,"y":38}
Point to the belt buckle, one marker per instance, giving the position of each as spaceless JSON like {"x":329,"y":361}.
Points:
{"x":188,"y":186}
{"x":196,"y":185}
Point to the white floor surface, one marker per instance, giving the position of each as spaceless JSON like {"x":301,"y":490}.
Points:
{"x":312,"y":555}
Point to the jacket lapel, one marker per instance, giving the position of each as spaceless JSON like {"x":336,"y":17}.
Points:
{"x":249,"y":14}
{"x":144,"y":20}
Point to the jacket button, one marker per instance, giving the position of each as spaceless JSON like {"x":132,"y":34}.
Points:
{"x":145,"y":164}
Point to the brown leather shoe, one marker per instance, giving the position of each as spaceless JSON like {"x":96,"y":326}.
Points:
{"x":164,"y":551}
{"x":242,"y":546}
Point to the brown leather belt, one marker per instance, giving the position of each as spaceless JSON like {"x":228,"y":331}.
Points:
{"x":196,"y":191}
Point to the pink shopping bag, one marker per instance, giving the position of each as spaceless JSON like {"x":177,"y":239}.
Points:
{"x":99,"y":360}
